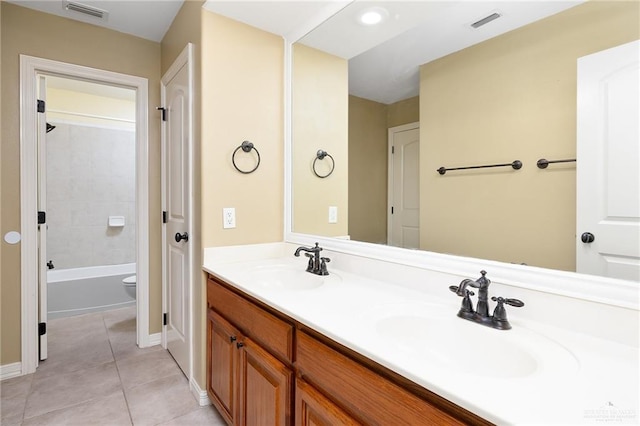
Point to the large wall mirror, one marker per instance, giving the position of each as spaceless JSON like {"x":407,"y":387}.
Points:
{"x":450,"y":84}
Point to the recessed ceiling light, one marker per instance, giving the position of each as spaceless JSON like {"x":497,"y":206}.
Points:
{"x":372,"y":16}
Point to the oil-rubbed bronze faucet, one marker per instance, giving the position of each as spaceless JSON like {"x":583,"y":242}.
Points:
{"x":316,"y":265}
{"x":481,"y":315}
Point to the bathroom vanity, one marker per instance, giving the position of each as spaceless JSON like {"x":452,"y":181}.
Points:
{"x":377,"y":342}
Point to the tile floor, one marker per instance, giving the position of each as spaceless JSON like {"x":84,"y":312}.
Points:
{"x":96,"y":375}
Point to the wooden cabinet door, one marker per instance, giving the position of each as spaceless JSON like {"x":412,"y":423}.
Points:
{"x":314,"y":409}
{"x":222,"y":364}
{"x":264,"y":388}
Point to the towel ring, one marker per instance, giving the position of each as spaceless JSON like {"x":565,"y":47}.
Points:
{"x":320,"y":155}
{"x":246,"y":146}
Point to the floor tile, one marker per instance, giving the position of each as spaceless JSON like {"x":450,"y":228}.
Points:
{"x":200,"y":416}
{"x":90,"y":352}
{"x":161,"y":400}
{"x":13,"y":398}
{"x":110,"y":410}
{"x":123,"y":345}
{"x":64,"y":390}
{"x":145,"y":368}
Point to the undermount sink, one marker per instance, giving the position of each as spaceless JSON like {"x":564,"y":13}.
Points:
{"x":464,"y":347}
{"x":286,"y":277}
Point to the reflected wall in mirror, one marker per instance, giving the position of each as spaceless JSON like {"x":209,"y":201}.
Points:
{"x":319,"y":121}
{"x":497,"y":99}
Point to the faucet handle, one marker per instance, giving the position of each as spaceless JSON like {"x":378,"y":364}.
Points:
{"x":499,"y":319}
{"x":323,"y":265}
{"x":512,"y":302}
{"x":454,"y":288}
{"x":310,"y":263}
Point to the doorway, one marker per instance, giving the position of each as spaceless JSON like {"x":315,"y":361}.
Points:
{"x":403,"y":228}
{"x":33,"y":72}
{"x":87,"y":189}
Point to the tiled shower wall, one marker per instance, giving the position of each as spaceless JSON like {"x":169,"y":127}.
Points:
{"x":90,"y":176}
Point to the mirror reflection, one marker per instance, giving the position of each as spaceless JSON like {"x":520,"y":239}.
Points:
{"x":424,"y":89}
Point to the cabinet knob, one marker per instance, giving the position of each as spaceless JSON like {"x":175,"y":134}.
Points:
{"x":232,"y":339}
{"x":239,"y":345}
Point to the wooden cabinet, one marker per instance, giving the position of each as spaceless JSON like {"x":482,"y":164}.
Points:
{"x":265,"y":389}
{"x":314,"y":409}
{"x":222,"y":365}
{"x":247,"y":384}
{"x":253,"y":353}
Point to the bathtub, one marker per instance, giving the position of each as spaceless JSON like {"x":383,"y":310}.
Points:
{"x":82,"y":290}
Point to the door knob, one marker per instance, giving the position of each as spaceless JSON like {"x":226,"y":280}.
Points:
{"x":184,"y":237}
{"x":587,"y":237}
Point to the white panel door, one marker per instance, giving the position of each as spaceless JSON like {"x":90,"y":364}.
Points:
{"x":42,"y":228}
{"x":404,"y":187}
{"x":177,"y":195}
{"x":608,"y":166}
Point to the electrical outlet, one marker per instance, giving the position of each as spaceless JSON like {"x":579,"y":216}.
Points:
{"x":228,"y":217}
{"x":333,"y":214}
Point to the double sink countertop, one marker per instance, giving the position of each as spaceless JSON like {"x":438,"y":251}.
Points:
{"x":535,"y":373}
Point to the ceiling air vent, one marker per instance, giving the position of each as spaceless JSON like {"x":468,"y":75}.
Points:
{"x":86,"y":10}
{"x":486,"y":20}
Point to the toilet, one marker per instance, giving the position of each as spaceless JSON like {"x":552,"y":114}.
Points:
{"x":129,"y":284}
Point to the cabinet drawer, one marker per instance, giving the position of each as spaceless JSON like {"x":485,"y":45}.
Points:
{"x":369,"y":397}
{"x":268,"y":330}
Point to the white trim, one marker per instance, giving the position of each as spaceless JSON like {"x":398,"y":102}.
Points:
{"x":55,"y":275}
{"x":30,"y":68}
{"x":184,"y":59}
{"x":288,"y":152}
{"x":9,"y":371}
{"x":201,"y":395}
{"x":390,"y":140}
{"x":154,"y":339}
{"x":100,"y":117}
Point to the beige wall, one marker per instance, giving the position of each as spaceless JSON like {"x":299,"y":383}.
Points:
{"x":242,"y":99}
{"x":320,"y":121}
{"x":512,"y":97}
{"x":403,"y":112}
{"x":368,"y":165}
{"x":98,"y":109}
{"x":369,"y":124}
{"x":78,"y":43}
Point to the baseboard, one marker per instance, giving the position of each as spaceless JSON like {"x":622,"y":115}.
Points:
{"x":155,"y":339}
{"x":9,"y":371}
{"x":201,"y":395}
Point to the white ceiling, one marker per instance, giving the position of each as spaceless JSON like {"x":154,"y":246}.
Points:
{"x":384,"y":60}
{"x":148,"y":19}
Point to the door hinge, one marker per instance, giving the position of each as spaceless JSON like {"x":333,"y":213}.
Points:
{"x":164,"y":319}
{"x":42,"y":218}
{"x":42,"y":328}
{"x":164,"y":113}
{"x":393,"y":149}
{"x":40,"y":106}
{"x":391,"y":209}
{"x":164,"y":217}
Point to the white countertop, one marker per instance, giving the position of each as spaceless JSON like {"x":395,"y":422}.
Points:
{"x":535,"y":373}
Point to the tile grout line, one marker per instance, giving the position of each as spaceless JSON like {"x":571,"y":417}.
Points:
{"x":66,"y":374}
{"x":115,"y":361}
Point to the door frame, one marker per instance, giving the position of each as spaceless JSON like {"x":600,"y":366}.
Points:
{"x":390,"y":141}
{"x":184,"y":59}
{"x":30,"y":68}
